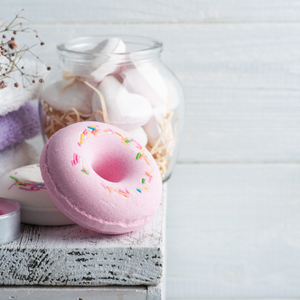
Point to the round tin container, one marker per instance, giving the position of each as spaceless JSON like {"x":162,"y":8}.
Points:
{"x":10,"y":220}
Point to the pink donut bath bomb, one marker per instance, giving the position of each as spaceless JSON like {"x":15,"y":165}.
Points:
{"x":101,"y":178}
{"x":25,"y":185}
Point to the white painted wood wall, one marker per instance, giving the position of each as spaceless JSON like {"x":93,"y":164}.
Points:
{"x":233,"y":220}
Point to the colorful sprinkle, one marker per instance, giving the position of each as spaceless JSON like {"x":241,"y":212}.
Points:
{"x":132,"y":192}
{"x":138,"y":145}
{"x":146,"y":159}
{"x":138,"y":155}
{"x":75,"y":159}
{"x":14,"y":178}
{"x":139,"y":190}
{"x":85,"y":172}
{"x":91,"y":127}
{"x":81,"y":138}
{"x":121,"y":193}
{"x":133,"y":148}
{"x":150,"y":176}
{"x":28,"y":185}
{"x":108,"y":130}
{"x":128,"y":141}
{"x":143,"y":180}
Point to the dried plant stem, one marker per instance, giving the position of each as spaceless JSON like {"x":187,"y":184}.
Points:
{"x":11,"y":55}
{"x":166,"y":142}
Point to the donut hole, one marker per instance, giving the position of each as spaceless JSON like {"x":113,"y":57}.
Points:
{"x":111,"y":168}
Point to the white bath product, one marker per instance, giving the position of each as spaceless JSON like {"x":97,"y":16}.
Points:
{"x":95,"y":67}
{"x":146,"y":80}
{"x":26,"y":186}
{"x":125,"y":110}
{"x":139,"y":135}
{"x":64,"y":91}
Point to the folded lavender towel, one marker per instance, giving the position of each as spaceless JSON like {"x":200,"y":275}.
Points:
{"x":19,"y":125}
{"x":17,"y":156}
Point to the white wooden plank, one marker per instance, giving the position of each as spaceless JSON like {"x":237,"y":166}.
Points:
{"x":233,"y":231}
{"x":236,"y":56}
{"x":161,"y":11}
{"x":242,"y":126}
{"x":103,"y":293}
{"x":241,"y":84}
{"x":74,"y":256}
{"x":82,"y":293}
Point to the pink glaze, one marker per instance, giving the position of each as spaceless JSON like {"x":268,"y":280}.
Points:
{"x":101,"y":178}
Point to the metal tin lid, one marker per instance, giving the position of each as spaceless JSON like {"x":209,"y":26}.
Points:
{"x":10,"y":220}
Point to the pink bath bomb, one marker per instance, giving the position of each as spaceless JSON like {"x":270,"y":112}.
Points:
{"x":101,"y":178}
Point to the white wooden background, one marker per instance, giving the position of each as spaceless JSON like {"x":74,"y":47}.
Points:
{"x":233,"y":220}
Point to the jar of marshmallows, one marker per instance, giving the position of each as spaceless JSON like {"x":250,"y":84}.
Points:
{"x":119,"y":80}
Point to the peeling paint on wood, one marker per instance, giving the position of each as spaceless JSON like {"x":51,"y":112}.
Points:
{"x":75,"y":256}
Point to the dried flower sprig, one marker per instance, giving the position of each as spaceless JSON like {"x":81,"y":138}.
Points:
{"x":11,"y":54}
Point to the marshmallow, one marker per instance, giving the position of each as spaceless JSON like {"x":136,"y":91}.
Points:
{"x":64,"y":94}
{"x":100,"y":66}
{"x":124,"y":109}
{"x":144,"y":79}
{"x":139,"y":135}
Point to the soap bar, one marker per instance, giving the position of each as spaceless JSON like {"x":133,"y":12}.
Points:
{"x":26,"y":186}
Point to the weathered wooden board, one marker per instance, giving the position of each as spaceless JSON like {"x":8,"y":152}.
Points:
{"x":233,"y":231}
{"x":74,"y":256}
{"x":159,"y":11}
{"x":82,"y":293}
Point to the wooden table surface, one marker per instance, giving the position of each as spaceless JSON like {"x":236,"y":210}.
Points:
{"x":74,"y":256}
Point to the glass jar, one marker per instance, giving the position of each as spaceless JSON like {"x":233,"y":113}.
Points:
{"x":119,"y":80}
